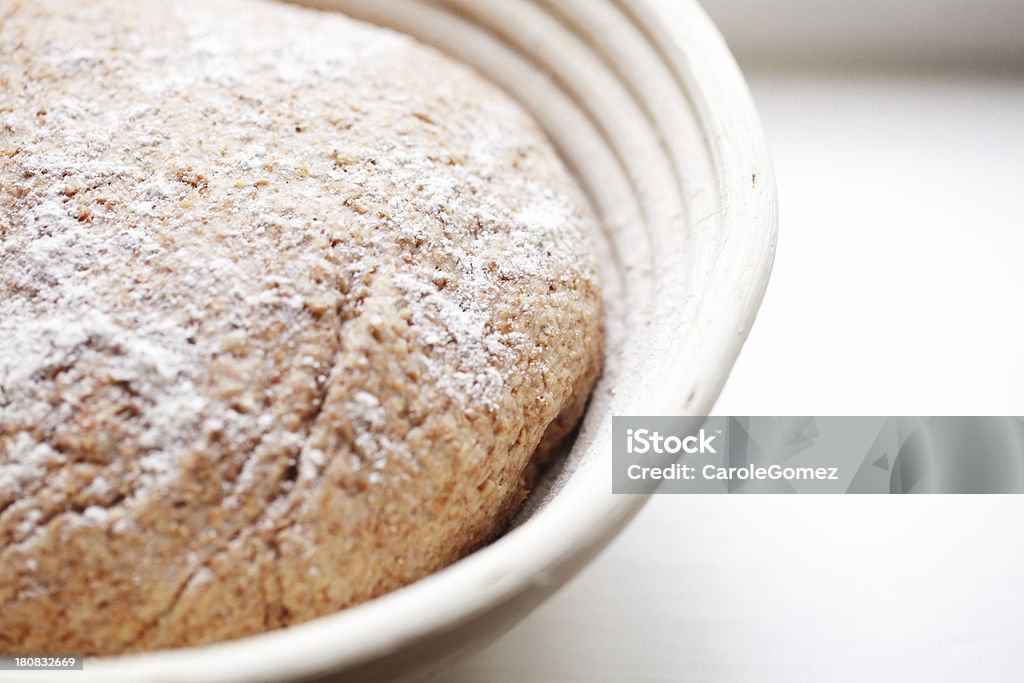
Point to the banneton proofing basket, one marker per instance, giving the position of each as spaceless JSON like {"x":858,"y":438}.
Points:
{"x":649,"y":110}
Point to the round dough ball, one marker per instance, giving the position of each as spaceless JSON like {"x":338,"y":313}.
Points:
{"x":287,"y":305}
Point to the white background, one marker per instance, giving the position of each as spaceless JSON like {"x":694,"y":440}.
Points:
{"x":897,"y":290}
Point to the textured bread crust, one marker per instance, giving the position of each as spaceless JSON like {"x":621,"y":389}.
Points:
{"x":287,"y":304}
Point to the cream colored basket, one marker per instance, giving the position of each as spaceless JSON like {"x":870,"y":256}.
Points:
{"x":648,"y":108}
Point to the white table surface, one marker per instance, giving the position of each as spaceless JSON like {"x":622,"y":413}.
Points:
{"x":897,"y":290}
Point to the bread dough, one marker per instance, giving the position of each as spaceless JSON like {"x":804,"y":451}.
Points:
{"x":290,"y":309}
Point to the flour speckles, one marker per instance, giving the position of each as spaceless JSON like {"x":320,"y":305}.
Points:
{"x":279,"y":291}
